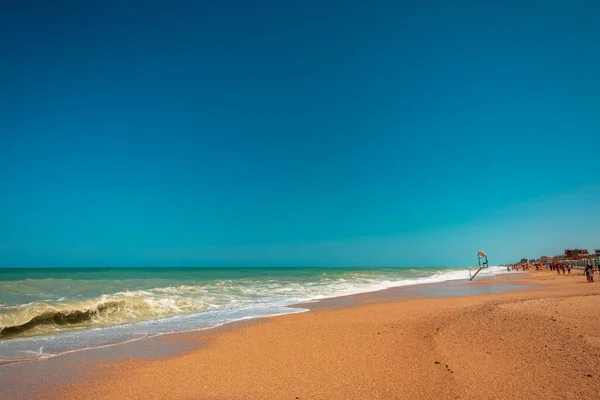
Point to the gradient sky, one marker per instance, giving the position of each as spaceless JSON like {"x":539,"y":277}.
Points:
{"x":297,"y":133}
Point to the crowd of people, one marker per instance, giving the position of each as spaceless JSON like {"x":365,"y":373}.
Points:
{"x":564,"y":268}
{"x":559,"y":267}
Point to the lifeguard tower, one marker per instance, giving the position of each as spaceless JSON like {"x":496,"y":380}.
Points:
{"x":482,"y":262}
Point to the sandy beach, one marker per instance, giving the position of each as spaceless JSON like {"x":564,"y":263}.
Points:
{"x":542,"y":342}
{"x":281,"y":200}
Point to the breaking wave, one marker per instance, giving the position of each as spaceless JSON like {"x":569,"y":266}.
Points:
{"x":61,"y":318}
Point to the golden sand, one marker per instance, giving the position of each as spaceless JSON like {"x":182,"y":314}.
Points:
{"x":540,"y":344}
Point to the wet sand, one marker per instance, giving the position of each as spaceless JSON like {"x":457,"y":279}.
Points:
{"x":540,"y":340}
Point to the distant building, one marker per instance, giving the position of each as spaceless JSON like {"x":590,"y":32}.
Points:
{"x":576,"y":254}
{"x":544,"y":259}
{"x":597,"y":252}
{"x":523,"y":260}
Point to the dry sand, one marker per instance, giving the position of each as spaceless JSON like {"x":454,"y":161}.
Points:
{"x":543,"y":343}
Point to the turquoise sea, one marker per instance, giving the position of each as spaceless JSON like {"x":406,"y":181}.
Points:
{"x":49,"y":311}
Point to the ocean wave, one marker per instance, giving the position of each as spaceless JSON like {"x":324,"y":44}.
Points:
{"x":39,"y":318}
{"x":60,"y":318}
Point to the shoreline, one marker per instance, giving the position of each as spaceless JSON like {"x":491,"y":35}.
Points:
{"x":396,"y":293}
{"x":510,"y":282}
{"x":179,"y":346}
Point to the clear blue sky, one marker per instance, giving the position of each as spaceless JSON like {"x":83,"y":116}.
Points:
{"x":297,"y":133}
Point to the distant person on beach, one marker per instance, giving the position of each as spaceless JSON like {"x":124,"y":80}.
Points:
{"x":589,"y":273}
{"x":569,"y":269}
